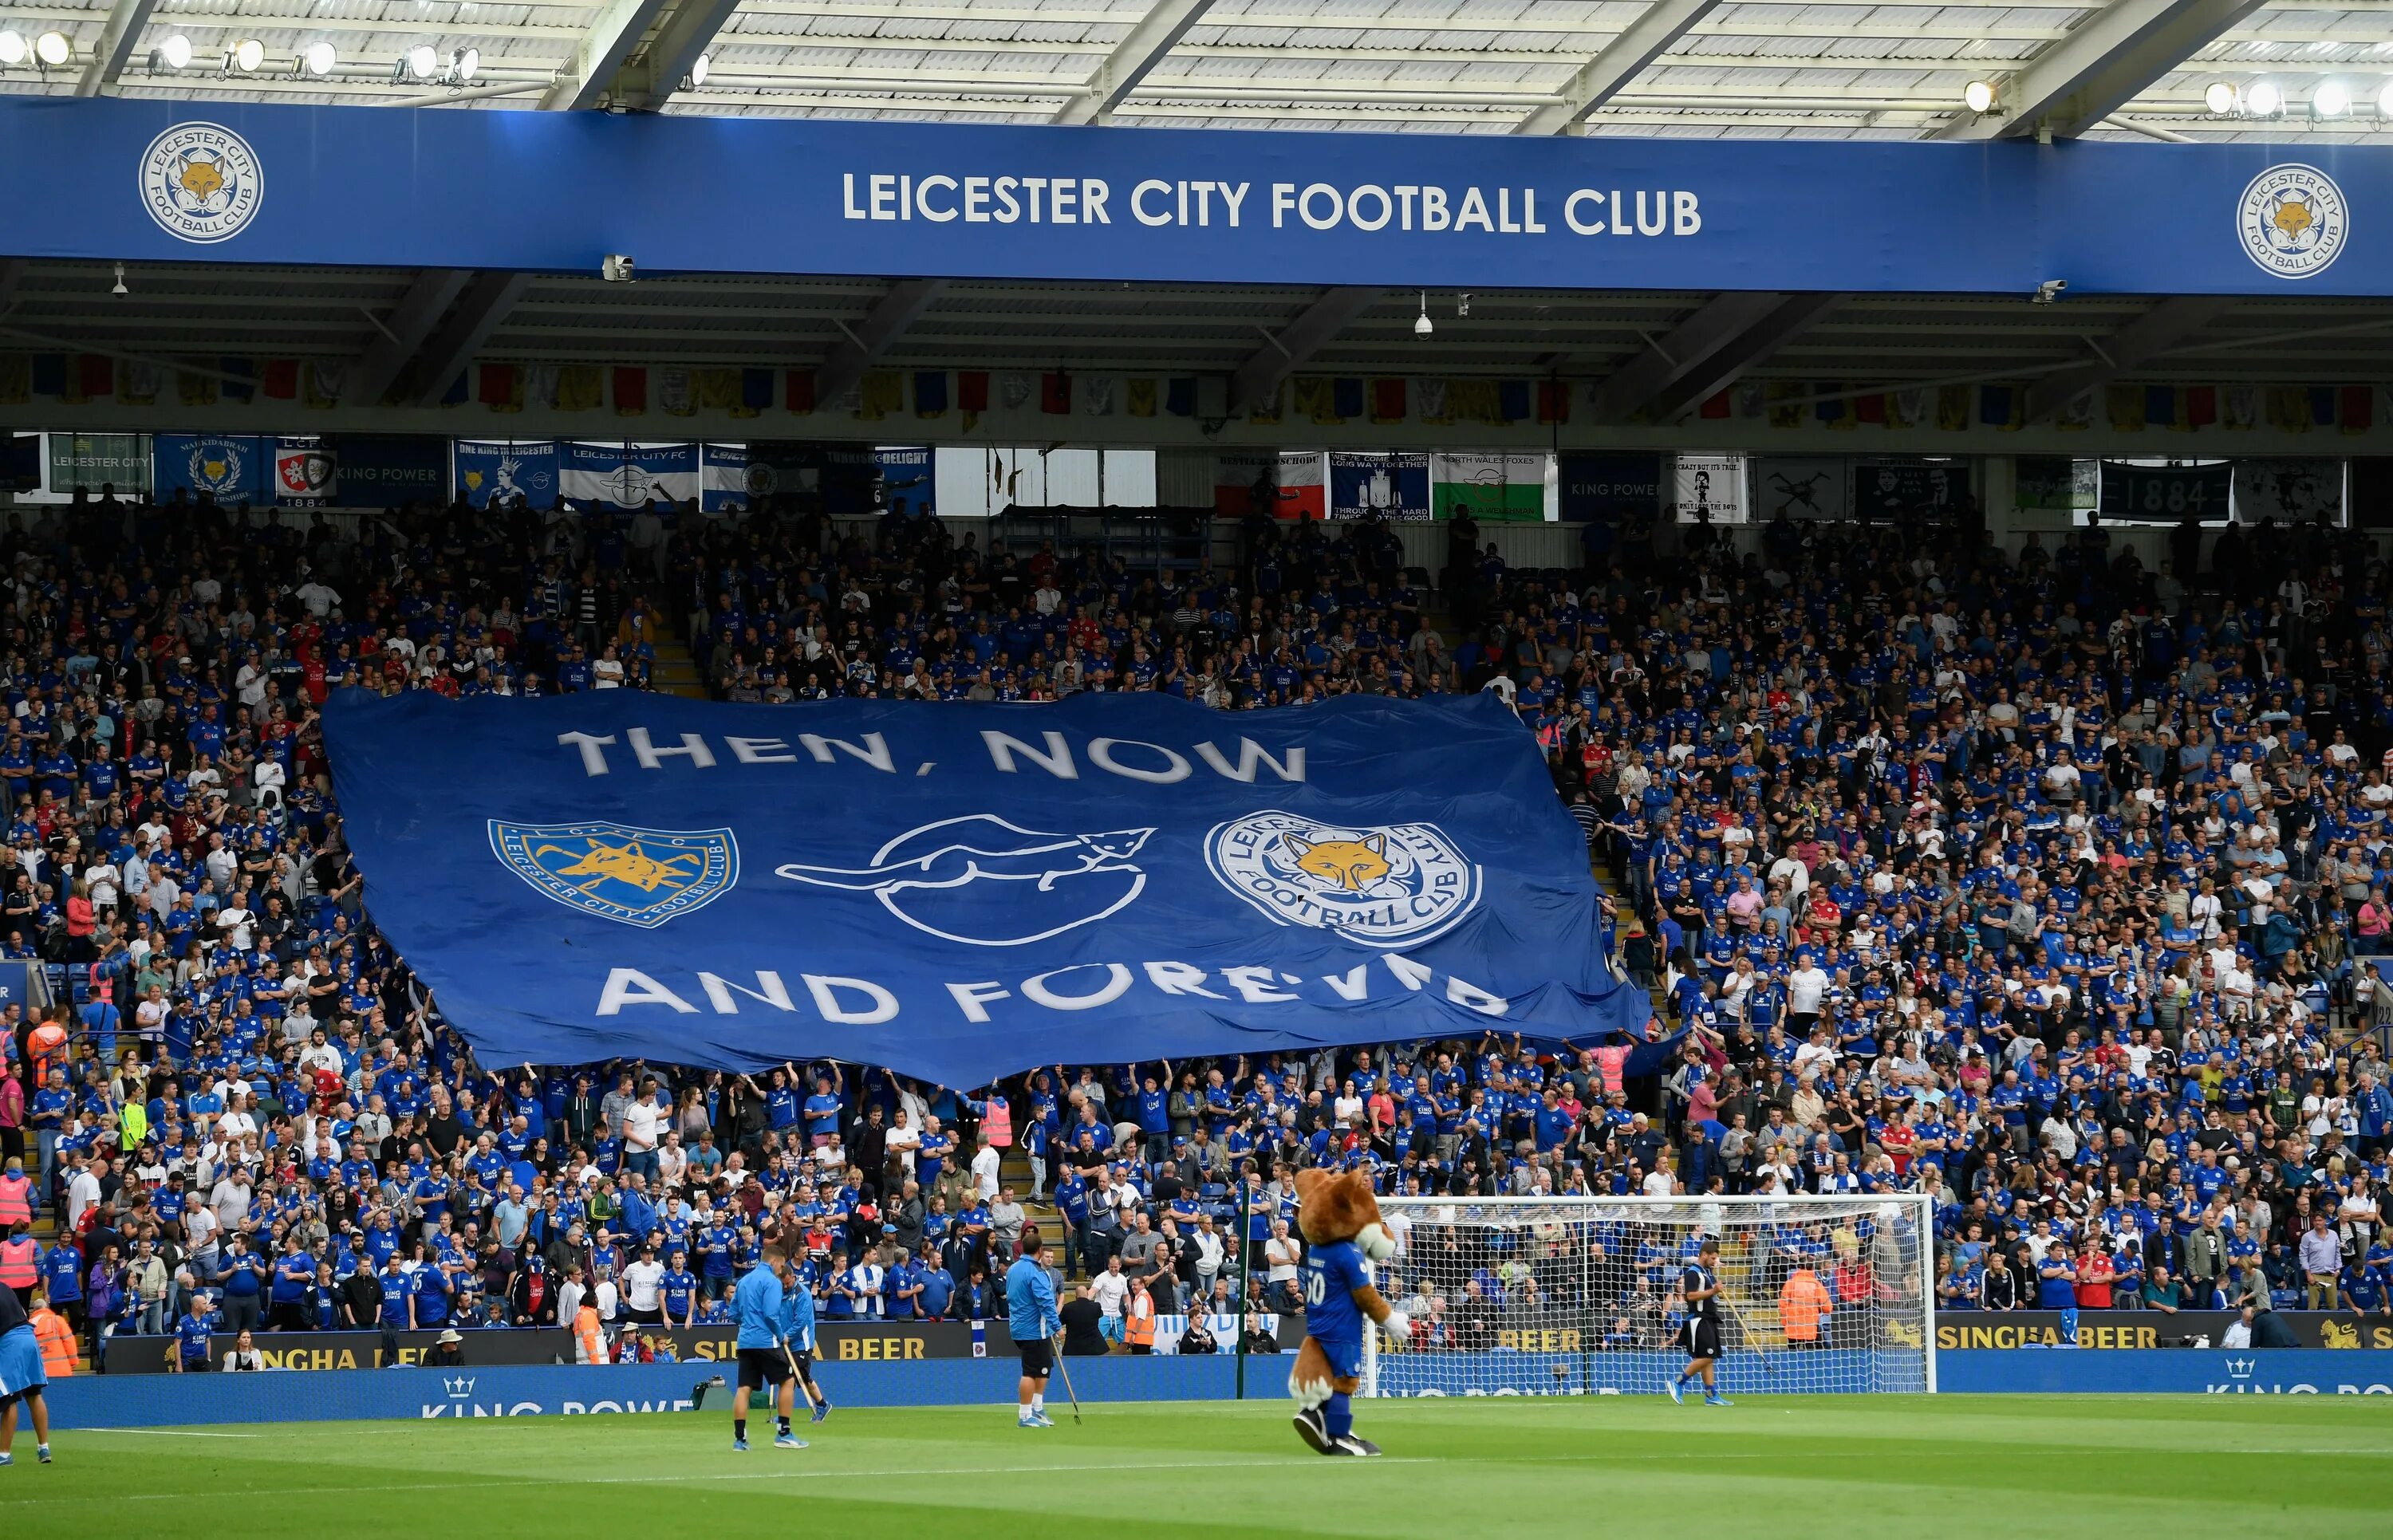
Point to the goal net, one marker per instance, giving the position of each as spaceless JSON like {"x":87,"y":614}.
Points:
{"x":1582,"y":1296}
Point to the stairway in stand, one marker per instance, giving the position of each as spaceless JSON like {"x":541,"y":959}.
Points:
{"x":674,"y":671}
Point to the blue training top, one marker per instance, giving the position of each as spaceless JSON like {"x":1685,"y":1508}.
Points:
{"x":1030,"y":1298}
{"x":757,"y":1307}
{"x":798,"y":1317}
{"x":1332,"y":1273}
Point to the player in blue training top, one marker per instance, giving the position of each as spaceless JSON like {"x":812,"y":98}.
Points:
{"x":1030,"y":1317}
{"x":1340,"y":1217}
{"x":764,"y":1342}
{"x":798,"y":1330}
{"x":1700,"y":1335}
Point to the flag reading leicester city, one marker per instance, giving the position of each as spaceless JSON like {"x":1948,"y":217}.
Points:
{"x":964,"y":891}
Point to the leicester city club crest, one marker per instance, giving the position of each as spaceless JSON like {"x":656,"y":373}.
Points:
{"x":634,"y":876}
{"x":1385,"y":885}
{"x":202,"y":182}
{"x":2292,"y":221}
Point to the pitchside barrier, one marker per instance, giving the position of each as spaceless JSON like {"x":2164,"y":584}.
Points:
{"x":483,"y":1390}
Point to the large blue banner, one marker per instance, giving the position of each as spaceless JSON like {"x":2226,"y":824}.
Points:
{"x":119,"y":179}
{"x":962,"y":890}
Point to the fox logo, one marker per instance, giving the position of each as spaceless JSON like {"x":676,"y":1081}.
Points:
{"x":1353,"y":864}
{"x":986,"y":882}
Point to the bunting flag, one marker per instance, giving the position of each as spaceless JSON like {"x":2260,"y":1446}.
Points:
{"x":2289,"y":409}
{"x":631,"y":392}
{"x":1180,"y":396}
{"x":2240,"y":407}
{"x":1952,"y":404}
{"x":1346,"y":398}
{"x":971,"y":390}
{"x":1387,"y":403}
{"x":95,"y":376}
{"x":2358,"y":413}
{"x":798,"y":391}
{"x":1055,"y":392}
{"x":1910,"y":408}
{"x":1435,"y":409}
{"x":1512,"y":400}
{"x":2075,"y":414}
{"x":930,"y":392}
{"x":325,"y":382}
{"x":2160,"y":407}
{"x":49,"y":374}
{"x":880,"y":395}
{"x":676,"y":393}
{"x":281,"y":379}
{"x":1836,"y":412}
{"x":2201,"y":406}
{"x":755,"y":394}
{"x":1750,"y":400}
{"x":1097,"y":396}
{"x":194,"y":389}
{"x":1138,"y":398}
{"x":499,"y":387}
{"x":540,"y":384}
{"x":2322,"y":405}
{"x":718,"y":390}
{"x":1269,"y":409}
{"x":580,"y":387}
{"x":453,"y":396}
{"x":1717,"y":406}
{"x":137,"y":383}
{"x":1869,"y":408}
{"x":1781,"y":396}
{"x":1014,"y":390}
{"x":1474,"y":401}
{"x":243,"y":384}
{"x":16,"y":379}
{"x":2125,"y":406}
{"x":1314,"y":400}
{"x":2001,"y":407}
{"x":1553,"y":402}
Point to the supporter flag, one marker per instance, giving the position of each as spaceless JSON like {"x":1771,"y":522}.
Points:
{"x":1393,"y":487}
{"x":1512,"y":400}
{"x":2201,"y":406}
{"x":1504,"y":487}
{"x":880,"y":395}
{"x":2358,"y":411}
{"x":908,"y":482}
{"x":579,"y":387}
{"x":137,"y":381}
{"x":677,"y":392}
{"x":1553,"y":402}
{"x":2160,"y":407}
{"x":281,"y":381}
{"x":307,"y":473}
{"x":631,"y":392}
{"x":506,"y":469}
{"x":1717,"y":406}
{"x":1387,"y":400}
{"x":501,"y":386}
{"x":798,"y":387}
{"x":1782,"y":394}
{"x":972,"y":389}
{"x":1055,"y":392}
{"x":930,"y":392}
{"x":755,"y":392}
{"x":1138,"y":398}
{"x":1836,"y":411}
{"x":1346,"y":398}
{"x":49,"y":374}
{"x":1998,"y":407}
{"x":232,"y":469}
{"x":2126,"y":405}
{"x":1952,"y":404}
{"x":718,"y":390}
{"x":971,"y":892}
{"x":627,"y":475}
{"x":1870,"y":408}
{"x":1180,"y":396}
{"x":723,"y":482}
{"x":16,"y":379}
{"x":1315,"y":400}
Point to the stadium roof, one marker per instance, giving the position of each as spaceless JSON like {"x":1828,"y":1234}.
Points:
{"x":1726,"y":67}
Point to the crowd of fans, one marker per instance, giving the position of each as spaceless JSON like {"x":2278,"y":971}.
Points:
{"x":2047,"y":884}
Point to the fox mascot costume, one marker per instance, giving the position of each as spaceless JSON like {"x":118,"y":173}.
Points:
{"x":1339,"y":1216}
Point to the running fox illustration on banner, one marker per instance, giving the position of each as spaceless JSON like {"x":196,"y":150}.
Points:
{"x":962,"y":890}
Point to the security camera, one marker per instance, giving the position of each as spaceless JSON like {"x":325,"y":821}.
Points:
{"x":1423,"y":327}
{"x":615,"y":269}
{"x":2051,"y":290}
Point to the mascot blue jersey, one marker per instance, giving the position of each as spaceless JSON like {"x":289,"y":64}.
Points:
{"x":1332,"y":1273}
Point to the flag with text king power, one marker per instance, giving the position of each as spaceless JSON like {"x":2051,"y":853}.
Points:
{"x":964,"y":891}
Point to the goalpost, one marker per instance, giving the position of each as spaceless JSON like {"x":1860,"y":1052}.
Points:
{"x":1579,"y":1296}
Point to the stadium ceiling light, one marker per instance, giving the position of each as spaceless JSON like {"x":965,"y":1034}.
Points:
{"x":2219,"y":98}
{"x":2263,"y":99}
{"x":422,"y":62}
{"x":699,"y":67}
{"x":320,"y":58}
{"x":2332,"y":100}
{"x":12,"y":47}
{"x":52,"y":49}
{"x":247,"y":55}
{"x":1979,"y":97}
{"x":176,"y":52}
{"x":464,"y":63}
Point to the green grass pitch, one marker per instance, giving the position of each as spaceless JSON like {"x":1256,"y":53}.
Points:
{"x":1845,"y":1467}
